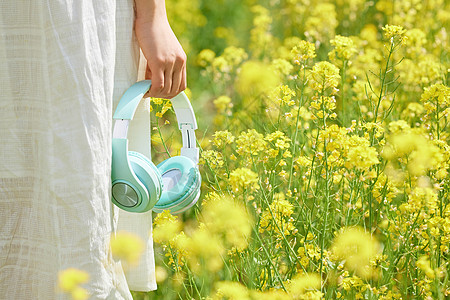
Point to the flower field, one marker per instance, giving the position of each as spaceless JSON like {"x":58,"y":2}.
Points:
{"x":324,"y":136}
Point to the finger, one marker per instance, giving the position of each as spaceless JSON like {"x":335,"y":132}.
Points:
{"x":176,"y":81}
{"x":148,"y":73}
{"x":168,"y":74}
{"x":179,"y":76}
{"x":183,"y":83}
{"x":157,"y":83}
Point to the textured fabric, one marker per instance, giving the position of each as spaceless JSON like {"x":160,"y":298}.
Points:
{"x":63,"y":66}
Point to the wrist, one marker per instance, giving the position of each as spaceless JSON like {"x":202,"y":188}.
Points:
{"x":150,"y":10}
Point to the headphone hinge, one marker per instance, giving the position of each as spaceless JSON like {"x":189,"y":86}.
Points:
{"x":186,"y":126}
{"x":188,"y":135}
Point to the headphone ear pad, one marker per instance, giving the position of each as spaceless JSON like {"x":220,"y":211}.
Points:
{"x":148,"y":174}
{"x":181,"y":184}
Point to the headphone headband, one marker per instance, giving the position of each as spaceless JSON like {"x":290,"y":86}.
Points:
{"x":183,"y":110}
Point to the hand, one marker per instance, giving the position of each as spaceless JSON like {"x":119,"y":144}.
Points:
{"x":166,"y":60}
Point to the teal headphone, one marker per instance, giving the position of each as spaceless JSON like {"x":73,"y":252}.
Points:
{"x":137,"y":184}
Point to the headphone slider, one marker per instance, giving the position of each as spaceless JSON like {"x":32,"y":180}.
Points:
{"x":191,"y":153}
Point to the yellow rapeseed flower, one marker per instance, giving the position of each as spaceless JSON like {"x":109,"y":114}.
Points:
{"x":250,"y":142}
{"x":282,"y":95}
{"x":357,"y":248}
{"x":231,"y":290}
{"x":260,"y":36}
{"x":360,"y":154}
{"x":222,"y":138}
{"x":234,"y":55}
{"x":421,"y":198}
{"x":302,"y":52}
{"x":226,"y":33}
{"x":394,"y":33}
{"x":69,"y":282}
{"x":166,"y":105}
{"x":160,"y":274}
{"x":302,"y":284}
{"x":423,"y":154}
{"x":277,"y":217}
{"x":228,"y":218}
{"x":127,"y":247}
{"x":243,"y":179}
{"x":324,"y":75}
{"x":344,"y":48}
{"x":269,"y":295}
{"x":323,"y":106}
{"x":353,"y":283}
{"x":416,"y":39}
{"x":203,"y":249}
{"x":321,"y":24}
{"x":282,"y":66}
{"x":205,"y":57}
{"x":166,"y":227}
{"x":223,"y":104}
{"x":256,"y":78}
{"x":279,"y":140}
{"x":423,"y":72}
{"x":413,"y":111}
{"x":213,"y":158}
{"x":221,"y":65}
{"x":436,"y":98}
{"x":423,"y":263}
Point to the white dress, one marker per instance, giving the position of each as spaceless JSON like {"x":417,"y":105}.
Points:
{"x":63,"y":66}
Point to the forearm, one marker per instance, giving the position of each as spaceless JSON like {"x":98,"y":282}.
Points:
{"x":149,"y":10}
{"x":166,"y":60}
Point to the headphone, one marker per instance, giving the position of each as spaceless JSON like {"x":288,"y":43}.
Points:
{"x":137,"y":184}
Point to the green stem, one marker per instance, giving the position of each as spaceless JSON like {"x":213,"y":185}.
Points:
{"x":269,"y":259}
{"x":437,"y":119}
{"x":344,"y":116}
{"x":294,"y":140}
{"x":326,"y":198}
{"x":162,"y":139}
{"x":380,"y":97}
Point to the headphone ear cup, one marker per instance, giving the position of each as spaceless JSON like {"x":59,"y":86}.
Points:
{"x":148,"y":174}
{"x":181,"y":184}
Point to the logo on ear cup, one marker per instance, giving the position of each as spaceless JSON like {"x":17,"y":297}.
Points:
{"x":124,"y":194}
